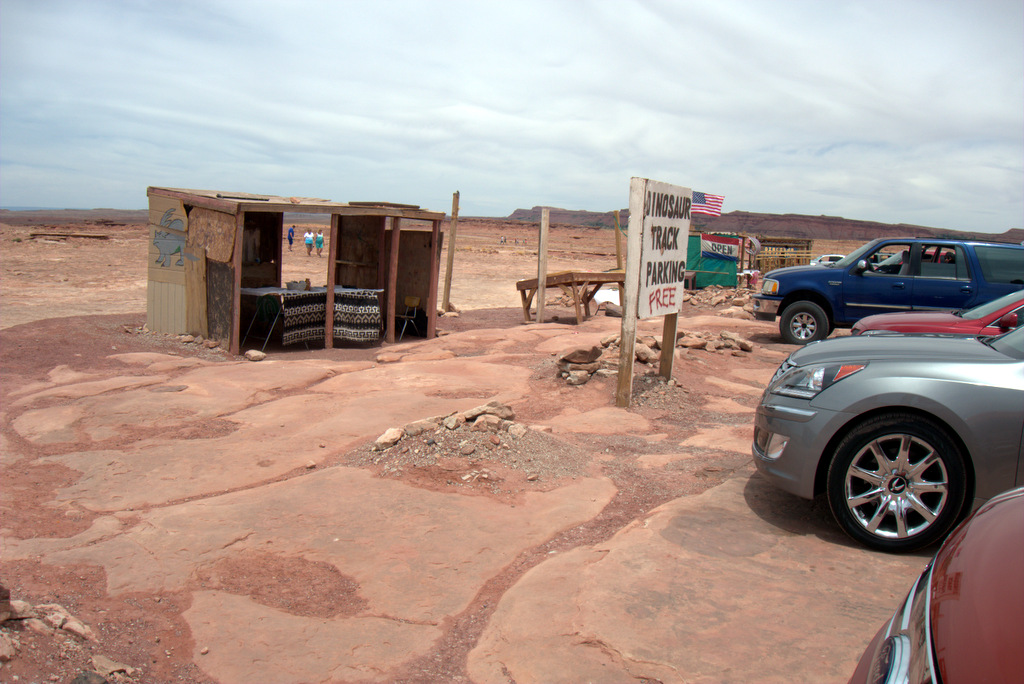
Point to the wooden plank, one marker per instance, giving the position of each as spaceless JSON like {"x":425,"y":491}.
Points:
{"x":236,"y":286}
{"x":435,"y":263}
{"x":668,"y":346}
{"x":64,"y":236}
{"x":446,"y":304}
{"x":166,"y":275}
{"x":627,"y":338}
{"x":195,"y":296}
{"x":332,"y":272}
{"x":542,"y":262}
{"x":392,"y":288}
{"x":214,"y":231}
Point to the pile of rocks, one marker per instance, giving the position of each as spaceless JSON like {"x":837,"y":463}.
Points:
{"x":479,"y":447}
{"x":491,"y":417}
{"x":578,"y":366}
{"x":51,"y":620}
{"x":728,"y":301}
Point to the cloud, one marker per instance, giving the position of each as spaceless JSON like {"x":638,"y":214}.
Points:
{"x":905,"y":112}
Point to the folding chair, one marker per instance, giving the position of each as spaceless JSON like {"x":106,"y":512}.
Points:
{"x":412,"y":307}
{"x":267,"y":309}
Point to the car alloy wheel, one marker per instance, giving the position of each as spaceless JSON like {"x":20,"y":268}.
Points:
{"x":897,"y":482}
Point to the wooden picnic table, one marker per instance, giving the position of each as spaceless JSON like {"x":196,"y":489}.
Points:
{"x":580,"y":285}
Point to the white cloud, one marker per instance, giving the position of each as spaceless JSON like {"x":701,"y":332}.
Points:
{"x":895,"y":112}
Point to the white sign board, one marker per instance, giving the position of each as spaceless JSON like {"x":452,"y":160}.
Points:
{"x":665,"y":234}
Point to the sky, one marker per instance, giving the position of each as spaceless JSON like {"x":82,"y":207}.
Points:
{"x":898,"y":111}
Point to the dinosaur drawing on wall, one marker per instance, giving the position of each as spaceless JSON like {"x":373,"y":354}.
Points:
{"x":169,"y":243}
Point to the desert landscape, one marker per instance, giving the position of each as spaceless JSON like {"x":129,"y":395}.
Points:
{"x":172,"y":513}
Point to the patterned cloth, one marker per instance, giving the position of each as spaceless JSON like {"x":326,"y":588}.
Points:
{"x":304,"y":317}
{"x":357,"y":316}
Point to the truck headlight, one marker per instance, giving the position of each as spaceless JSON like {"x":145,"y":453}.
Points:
{"x":769,"y":287}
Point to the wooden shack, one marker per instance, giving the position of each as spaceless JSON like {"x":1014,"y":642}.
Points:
{"x":207,"y":247}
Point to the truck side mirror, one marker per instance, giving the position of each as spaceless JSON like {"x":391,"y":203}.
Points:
{"x":1008,"y":322}
{"x":861,"y":266}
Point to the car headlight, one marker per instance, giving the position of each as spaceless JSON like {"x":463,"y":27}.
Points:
{"x":770,"y":287}
{"x":805,"y":382}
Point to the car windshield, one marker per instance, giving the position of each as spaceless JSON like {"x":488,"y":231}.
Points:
{"x":993,"y":306}
{"x":856,"y":254}
{"x":1011,"y":344}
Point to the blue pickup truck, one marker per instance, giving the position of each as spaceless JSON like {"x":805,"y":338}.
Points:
{"x":889,"y":274}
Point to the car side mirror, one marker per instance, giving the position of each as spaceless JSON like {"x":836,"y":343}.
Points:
{"x":861,"y":266}
{"x":1009,"y":321}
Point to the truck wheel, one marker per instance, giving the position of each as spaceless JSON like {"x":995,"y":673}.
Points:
{"x":803,"y":322}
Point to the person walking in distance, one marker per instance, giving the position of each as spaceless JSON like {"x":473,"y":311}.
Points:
{"x":308,"y":239}
{"x":319,"y":242}
{"x":291,"y":237}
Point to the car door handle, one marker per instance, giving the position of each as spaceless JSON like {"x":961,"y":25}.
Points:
{"x":899,"y":286}
{"x":967,"y":289}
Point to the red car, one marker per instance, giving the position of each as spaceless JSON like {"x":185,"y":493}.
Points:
{"x":963,"y":620}
{"x":995,"y":318}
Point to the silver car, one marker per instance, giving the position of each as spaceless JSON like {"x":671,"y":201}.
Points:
{"x":905,"y":434}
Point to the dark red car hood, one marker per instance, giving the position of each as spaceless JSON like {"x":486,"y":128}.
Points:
{"x":921,"y":321}
{"x":977,"y":607}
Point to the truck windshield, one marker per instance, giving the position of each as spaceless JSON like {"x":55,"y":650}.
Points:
{"x":855,"y":255}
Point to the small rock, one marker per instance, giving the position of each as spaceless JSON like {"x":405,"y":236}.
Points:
{"x":255,"y":355}
{"x":204,"y":650}
{"x":89,"y":677}
{"x":454,"y":421}
{"x":467,"y":449}
{"x":388,"y":439}
{"x":517,"y":430}
{"x":578,"y":378}
{"x":310,"y":465}
{"x":692,"y":342}
{"x":186,"y":339}
{"x":582,"y":355}
{"x":494,"y":408}
{"x":495,"y":440}
{"x":644,"y":354}
{"x":609,"y":340}
{"x":532,"y":477}
{"x":612,"y":310}
{"x":8,"y":647}
{"x":106,"y":666}
{"x":211,"y":344}
{"x":419,"y":427}
{"x":487,"y":423}
{"x":79,"y":629}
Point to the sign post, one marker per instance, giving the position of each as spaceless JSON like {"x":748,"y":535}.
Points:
{"x":659,"y":230}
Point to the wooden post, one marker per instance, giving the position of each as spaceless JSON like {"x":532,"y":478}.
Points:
{"x":668,"y":346}
{"x":542,"y":263}
{"x":396,"y":230}
{"x":332,"y":270}
{"x":236,"y":285}
{"x":446,"y":304}
{"x":435,"y":257}
{"x":627,"y":339}
{"x":618,"y":256}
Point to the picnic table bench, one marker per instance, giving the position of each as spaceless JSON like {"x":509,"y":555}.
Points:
{"x":580,"y":285}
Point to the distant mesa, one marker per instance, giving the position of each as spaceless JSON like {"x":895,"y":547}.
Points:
{"x":742,"y":222}
{"x":771,"y":225}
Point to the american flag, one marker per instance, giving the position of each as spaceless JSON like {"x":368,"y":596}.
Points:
{"x":706,"y":203}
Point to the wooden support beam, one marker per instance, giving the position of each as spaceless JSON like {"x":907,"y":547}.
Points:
{"x":332,"y":267}
{"x":236,"y":285}
{"x":542,"y":261}
{"x":392,"y":289}
{"x":446,"y":304}
{"x":435,"y":259}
